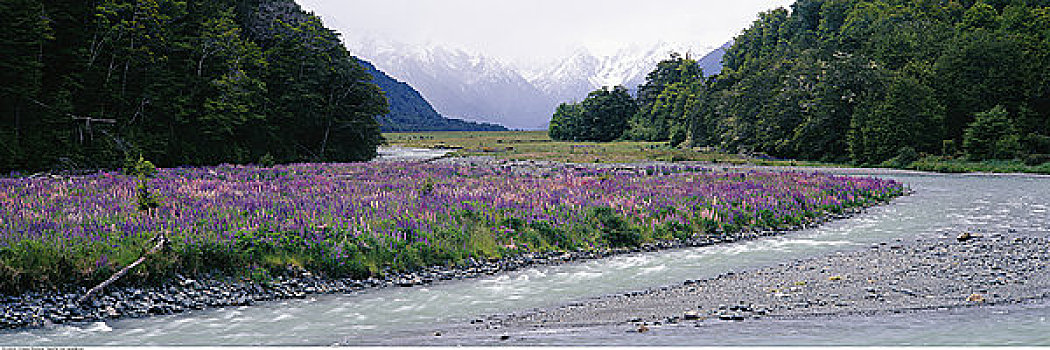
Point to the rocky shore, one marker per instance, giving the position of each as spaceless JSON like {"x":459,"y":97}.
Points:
{"x":965,"y":270}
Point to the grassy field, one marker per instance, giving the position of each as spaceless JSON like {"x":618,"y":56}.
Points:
{"x":536,"y":145}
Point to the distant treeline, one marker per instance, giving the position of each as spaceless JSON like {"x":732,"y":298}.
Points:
{"x":856,"y":81}
{"x":426,"y":125}
{"x":89,"y":83}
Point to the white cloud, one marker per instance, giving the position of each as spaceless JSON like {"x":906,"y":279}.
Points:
{"x":529,"y":30}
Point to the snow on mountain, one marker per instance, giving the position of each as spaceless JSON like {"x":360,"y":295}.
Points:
{"x":462,"y":85}
{"x":472,"y":86}
{"x":585,"y":71}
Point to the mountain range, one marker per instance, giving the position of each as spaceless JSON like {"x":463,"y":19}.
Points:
{"x":409,"y":111}
{"x":475,"y":87}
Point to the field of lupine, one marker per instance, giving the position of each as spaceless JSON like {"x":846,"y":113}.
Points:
{"x":354,"y":220}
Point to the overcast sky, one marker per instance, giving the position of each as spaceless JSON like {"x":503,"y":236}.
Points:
{"x":517,"y":30}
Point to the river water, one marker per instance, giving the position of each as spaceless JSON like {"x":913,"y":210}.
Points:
{"x":403,"y":154}
{"x":941,"y":205}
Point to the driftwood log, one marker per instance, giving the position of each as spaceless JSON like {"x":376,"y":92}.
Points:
{"x":161,"y":240}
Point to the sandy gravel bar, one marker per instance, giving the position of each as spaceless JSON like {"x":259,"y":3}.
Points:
{"x":892,"y":277}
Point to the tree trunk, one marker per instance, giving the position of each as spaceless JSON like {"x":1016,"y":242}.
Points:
{"x":18,"y":122}
{"x":200,"y":65}
{"x":324,"y":142}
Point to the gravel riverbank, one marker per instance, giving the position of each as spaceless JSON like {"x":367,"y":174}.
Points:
{"x":44,"y":309}
{"x":893,"y":277}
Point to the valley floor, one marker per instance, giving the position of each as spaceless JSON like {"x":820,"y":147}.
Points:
{"x":537,"y":145}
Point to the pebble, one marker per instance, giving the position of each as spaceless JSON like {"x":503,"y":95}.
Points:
{"x":927,"y":274}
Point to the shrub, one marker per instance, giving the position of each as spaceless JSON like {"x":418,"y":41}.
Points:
{"x":992,"y":135}
{"x":267,"y":160}
{"x":905,"y":156}
{"x":1037,"y":159}
{"x":614,"y":229}
{"x":552,"y":236}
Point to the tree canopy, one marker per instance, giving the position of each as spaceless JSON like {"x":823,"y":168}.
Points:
{"x":87,"y":84}
{"x":602,"y":116}
{"x":866,"y":81}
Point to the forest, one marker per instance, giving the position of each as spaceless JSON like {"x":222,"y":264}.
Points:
{"x":89,"y":84}
{"x":852,"y":81}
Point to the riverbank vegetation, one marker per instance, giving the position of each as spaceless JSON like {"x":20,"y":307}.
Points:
{"x":870,"y":83}
{"x":88,"y":84}
{"x":357,"y":220}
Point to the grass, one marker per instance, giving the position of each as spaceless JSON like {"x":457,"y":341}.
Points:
{"x":947,"y":165}
{"x":537,"y":145}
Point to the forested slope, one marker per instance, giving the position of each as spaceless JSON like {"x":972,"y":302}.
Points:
{"x":88,"y":83}
{"x":867,"y":82}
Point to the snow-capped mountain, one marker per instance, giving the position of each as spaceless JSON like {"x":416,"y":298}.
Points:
{"x":586,"y":71}
{"x":472,"y":86}
{"x":463,"y":85}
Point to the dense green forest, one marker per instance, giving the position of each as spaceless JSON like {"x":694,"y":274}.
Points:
{"x":866,"y":82}
{"x":410,"y":112}
{"x":87,"y":84}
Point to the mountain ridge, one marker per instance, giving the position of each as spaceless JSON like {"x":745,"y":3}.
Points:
{"x":409,"y":111}
{"x":475,"y":87}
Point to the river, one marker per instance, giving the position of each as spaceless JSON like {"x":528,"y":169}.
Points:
{"x":941,"y":205}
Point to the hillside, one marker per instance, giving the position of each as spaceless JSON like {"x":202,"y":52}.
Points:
{"x":409,"y":111}
{"x":711,"y":63}
{"x":867,"y":82}
{"x":180,"y":83}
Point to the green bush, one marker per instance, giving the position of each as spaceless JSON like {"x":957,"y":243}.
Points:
{"x":992,"y":135}
{"x":553,"y":236}
{"x":1037,"y":159}
{"x":614,"y":229}
{"x":267,"y":160}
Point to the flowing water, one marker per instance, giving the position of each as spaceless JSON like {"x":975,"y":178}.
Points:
{"x":942,"y":205}
{"x":402,"y":154}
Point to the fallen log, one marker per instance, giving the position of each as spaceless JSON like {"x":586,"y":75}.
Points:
{"x":161,"y":240}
